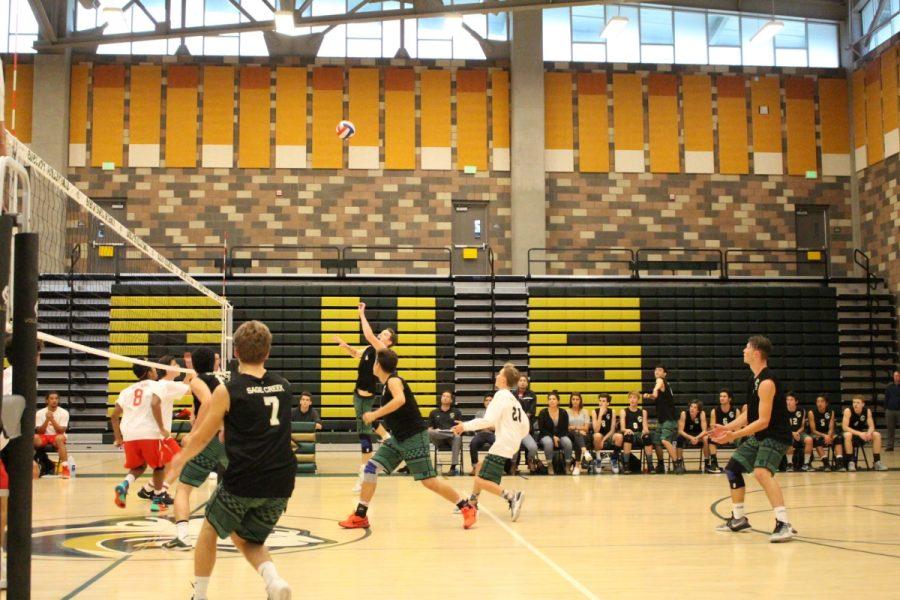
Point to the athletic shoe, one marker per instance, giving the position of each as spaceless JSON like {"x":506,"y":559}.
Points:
{"x":576,"y":470}
{"x":176,"y":544}
{"x":614,"y":463}
{"x":733,"y":525}
{"x":470,"y":515}
{"x":783,"y":533}
{"x":145,"y":494}
{"x":807,"y":468}
{"x":279,"y":590}
{"x":679,"y":468}
{"x":789,"y":468}
{"x":713,"y":469}
{"x":851,"y":467}
{"x":454,"y":471}
{"x":65,"y":473}
{"x":156,"y":506}
{"x":660,"y":469}
{"x":164,"y":498}
{"x":515,"y":505}
{"x":880,"y":466}
{"x":841,"y":469}
{"x":354,"y":521}
{"x":121,"y":494}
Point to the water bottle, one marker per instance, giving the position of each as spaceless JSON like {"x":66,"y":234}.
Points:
{"x":71,"y":466}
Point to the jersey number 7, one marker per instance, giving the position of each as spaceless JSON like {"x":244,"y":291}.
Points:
{"x":273,"y":402}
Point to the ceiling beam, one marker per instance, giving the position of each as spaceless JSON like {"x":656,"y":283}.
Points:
{"x":45,"y":27}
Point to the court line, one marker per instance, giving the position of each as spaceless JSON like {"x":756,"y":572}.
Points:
{"x":884,"y":512}
{"x":546,"y":559}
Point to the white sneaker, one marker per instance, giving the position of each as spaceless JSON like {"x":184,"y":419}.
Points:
{"x":851,"y":467}
{"x":515,"y":505}
{"x":576,"y":470}
{"x":880,"y":466}
{"x":279,"y":590}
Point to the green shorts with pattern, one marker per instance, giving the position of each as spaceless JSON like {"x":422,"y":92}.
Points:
{"x":253,"y":519}
{"x":414,"y":450}
{"x":198,"y":468}
{"x":492,"y":468}
{"x":361,"y":405}
{"x":755,"y":454}
{"x":665,"y":431}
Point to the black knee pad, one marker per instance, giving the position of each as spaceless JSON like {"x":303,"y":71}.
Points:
{"x":365,"y":443}
{"x":735,"y":474}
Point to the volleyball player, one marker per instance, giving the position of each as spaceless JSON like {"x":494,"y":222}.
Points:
{"x":139,"y":425}
{"x":510,"y":423}
{"x":859,"y":428}
{"x":666,"y":419}
{"x":723,"y":414}
{"x":765,"y":425}
{"x":254,"y":408}
{"x":365,"y":392}
{"x":408,"y":442}
{"x":197,"y":470}
{"x":822,"y":428}
{"x":802,"y":442}
{"x":635,"y":432}
{"x":605,"y":435}
{"x":691,"y":427}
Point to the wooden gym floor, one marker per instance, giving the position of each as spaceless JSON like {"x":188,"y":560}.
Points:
{"x":578,"y":537}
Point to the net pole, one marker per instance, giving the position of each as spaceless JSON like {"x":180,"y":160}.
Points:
{"x":21,"y":450}
{"x":7,"y":222}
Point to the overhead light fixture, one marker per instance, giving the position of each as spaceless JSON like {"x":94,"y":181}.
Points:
{"x":614,"y":27}
{"x":284,"y":22}
{"x":769,"y":30}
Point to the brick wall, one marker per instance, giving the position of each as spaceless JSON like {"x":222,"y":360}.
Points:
{"x":879,"y":201}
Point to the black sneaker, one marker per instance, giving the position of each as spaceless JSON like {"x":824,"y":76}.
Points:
{"x":733,"y":525}
{"x":145,"y":494}
{"x":660,"y":469}
{"x":164,"y":498}
{"x":679,"y":468}
{"x":713,"y":469}
{"x":783,"y":533}
{"x":176,"y":544}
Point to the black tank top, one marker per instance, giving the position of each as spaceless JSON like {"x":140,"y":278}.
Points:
{"x":822,"y":419}
{"x":365,"y":378}
{"x":634,"y":420}
{"x":407,"y":420}
{"x":665,"y":404}
{"x":779,"y":428}
{"x":859,"y":422}
{"x":261,"y":462}
{"x":606,"y":421}
{"x":212,"y":382}
{"x":723,"y":417}
{"x":795,"y":418}
{"x":692,"y":425}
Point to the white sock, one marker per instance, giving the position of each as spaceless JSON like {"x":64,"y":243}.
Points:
{"x":737,"y":510}
{"x":781,"y":514}
{"x":268,"y":572}
{"x":809,"y":459}
{"x":181,"y":528}
{"x":129,"y":479}
{"x":200,"y":585}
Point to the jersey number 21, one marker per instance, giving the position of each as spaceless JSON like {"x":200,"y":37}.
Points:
{"x":516,"y":414}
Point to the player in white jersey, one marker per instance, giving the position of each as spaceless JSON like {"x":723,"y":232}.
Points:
{"x":143,"y":432}
{"x":511,"y":425}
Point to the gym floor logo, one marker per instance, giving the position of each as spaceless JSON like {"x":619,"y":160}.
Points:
{"x":115,"y":538}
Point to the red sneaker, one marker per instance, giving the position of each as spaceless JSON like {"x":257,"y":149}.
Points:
{"x":65,"y":474}
{"x":354,"y":521}
{"x":470,"y":515}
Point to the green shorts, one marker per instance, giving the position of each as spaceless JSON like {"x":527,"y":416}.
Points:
{"x":665,"y":431}
{"x":198,"y":468}
{"x":253,"y":519}
{"x":492,"y":468}
{"x":755,"y":454}
{"x":799,"y":443}
{"x":414,"y":450}
{"x":362,"y":405}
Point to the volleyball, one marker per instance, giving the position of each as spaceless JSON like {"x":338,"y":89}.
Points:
{"x":345,"y":130}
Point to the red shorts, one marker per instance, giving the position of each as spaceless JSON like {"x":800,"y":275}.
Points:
{"x":48,"y":440}
{"x":4,"y":481}
{"x":152,"y":453}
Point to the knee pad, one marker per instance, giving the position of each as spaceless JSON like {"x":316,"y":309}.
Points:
{"x":734,"y":473}
{"x":365,"y":443}
{"x":370,"y":472}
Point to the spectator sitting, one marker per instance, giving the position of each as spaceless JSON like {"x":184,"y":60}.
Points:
{"x":859,"y":428}
{"x":892,"y":408}
{"x":553,"y":425}
{"x":822,"y":427}
{"x":51,"y":423}
{"x":440,"y":421}
{"x":579,"y":424}
{"x":305,"y":413}
{"x":691,"y":427}
{"x":483,"y":438}
{"x":605,"y":435}
{"x":529,"y":404}
{"x":635,"y":431}
{"x":801,"y":442}
{"x":723,"y":414}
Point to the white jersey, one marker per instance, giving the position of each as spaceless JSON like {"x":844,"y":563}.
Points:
{"x":136,"y":402}
{"x":60,"y":415}
{"x":509,"y":421}
{"x":7,"y":379}
{"x":169,"y":391}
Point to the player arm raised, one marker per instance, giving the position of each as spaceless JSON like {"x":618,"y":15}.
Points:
{"x":156,"y":407}
{"x":398,"y":399}
{"x":213,"y":416}
{"x":660,"y":384}
{"x":367,"y":329}
{"x":766,"y":394}
{"x":350,"y":350}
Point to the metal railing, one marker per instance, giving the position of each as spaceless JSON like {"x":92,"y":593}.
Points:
{"x":427,"y":261}
{"x":553,"y":255}
{"x":286,"y":259}
{"x":778,"y":263}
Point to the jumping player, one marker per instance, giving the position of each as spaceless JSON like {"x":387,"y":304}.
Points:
{"x":859,"y":428}
{"x":197,"y":470}
{"x":365,"y":393}
{"x":821,"y":426}
{"x":723,"y":414}
{"x":255,"y":409}
{"x":691,"y":427}
{"x":408,"y":442}
{"x":765,"y":424}
{"x":510,"y":423}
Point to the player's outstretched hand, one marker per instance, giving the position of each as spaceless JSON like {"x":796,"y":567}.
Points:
{"x":458,"y":429}
{"x":362,"y":307}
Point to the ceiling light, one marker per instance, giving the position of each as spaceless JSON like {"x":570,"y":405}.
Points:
{"x":769,"y":30}
{"x":284,"y":21}
{"x":613,"y":27}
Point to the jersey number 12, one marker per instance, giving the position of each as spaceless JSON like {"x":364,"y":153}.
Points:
{"x":273,"y":402}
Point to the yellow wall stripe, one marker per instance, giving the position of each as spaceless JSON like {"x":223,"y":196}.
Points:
{"x":578,"y":302}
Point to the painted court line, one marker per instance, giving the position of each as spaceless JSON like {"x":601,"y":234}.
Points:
{"x":546,"y":559}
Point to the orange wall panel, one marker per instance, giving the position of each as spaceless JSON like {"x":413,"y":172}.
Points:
{"x":471,"y":119}
{"x":399,"y":119}
{"x":218,"y":106}
{"x":108,"y":117}
{"x":593,"y":123}
{"x":181,"y":116}
{"x":500,"y":109}
{"x":146,"y":103}
{"x":558,"y":112}
{"x":860,"y":134}
{"x":254,"y":118}
{"x":363,"y":109}
{"x":833,"y":113}
{"x":290,"y":106}
{"x":874,"y":125}
{"x":78,"y":105}
{"x":698,"y":121}
{"x":628,"y":112}
{"x":23,"y":101}
{"x":731,"y":104}
{"x":765,"y":91}
{"x":662,"y":105}
{"x":800,"y":116}
{"x":435,"y":102}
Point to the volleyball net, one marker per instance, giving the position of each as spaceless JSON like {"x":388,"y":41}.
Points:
{"x":106,"y":294}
